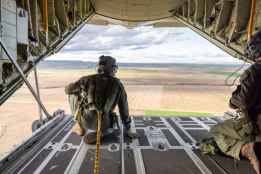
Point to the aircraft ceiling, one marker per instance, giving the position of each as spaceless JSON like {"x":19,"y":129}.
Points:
{"x":136,"y":10}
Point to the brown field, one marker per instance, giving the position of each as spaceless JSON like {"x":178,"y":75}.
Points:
{"x":179,"y":89}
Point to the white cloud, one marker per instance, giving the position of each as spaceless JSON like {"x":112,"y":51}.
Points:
{"x":142,"y":44}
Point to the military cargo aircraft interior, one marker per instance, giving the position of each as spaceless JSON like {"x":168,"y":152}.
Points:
{"x":32,"y":30}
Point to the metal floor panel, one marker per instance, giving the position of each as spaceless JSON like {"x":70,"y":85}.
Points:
{"x":59,"y":162}
{"x":109,"y":162}
{"x":35,"y":163}
{"x":168,"y":162}
{"x":166,"y":145}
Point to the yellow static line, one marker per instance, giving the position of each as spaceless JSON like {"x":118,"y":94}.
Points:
{"x":96,"y":168}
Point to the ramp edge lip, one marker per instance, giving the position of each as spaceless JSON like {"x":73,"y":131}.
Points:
{"x":36,"y":139}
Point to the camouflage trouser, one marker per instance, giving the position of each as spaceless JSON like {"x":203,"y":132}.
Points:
{"x":74,"y":106}
{"x":229,"y":137}
{"x":87,"y":123}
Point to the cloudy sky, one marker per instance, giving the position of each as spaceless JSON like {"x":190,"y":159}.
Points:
{"x":142,"y":45}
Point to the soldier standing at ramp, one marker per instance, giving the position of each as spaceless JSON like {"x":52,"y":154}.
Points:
{"x":241,"y":137}
{"x":99,"y":92}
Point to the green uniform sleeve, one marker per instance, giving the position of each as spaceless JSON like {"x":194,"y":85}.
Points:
{"x":124,"y":108}
{"x":241,"y":97}
{"x":75,"y":87}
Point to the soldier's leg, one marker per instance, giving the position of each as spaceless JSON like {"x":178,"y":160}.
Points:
{"x":88,"y":121}
{"x":74,"y":103}
{"x":74,"y":106}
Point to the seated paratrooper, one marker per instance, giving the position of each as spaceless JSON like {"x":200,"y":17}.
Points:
{"x":99,"y":93}
{"x":240,"y":138}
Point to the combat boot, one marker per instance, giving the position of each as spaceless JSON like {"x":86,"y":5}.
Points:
{"x":248,"y":151}
{"x":90,"y":138}
{"x":131,"y":134}
{"x":78,"y":129}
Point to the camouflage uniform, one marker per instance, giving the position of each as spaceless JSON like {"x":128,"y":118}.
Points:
{"x":247,"y":96}
{"x":102,"y":91}
{"x":228,"y":137}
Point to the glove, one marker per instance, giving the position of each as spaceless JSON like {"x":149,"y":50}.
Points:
{"x":131,"y":134}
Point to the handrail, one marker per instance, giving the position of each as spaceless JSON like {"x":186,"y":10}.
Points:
{"x":38,"y":92}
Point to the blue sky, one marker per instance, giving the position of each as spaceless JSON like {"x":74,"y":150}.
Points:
{"x":142,"y":45}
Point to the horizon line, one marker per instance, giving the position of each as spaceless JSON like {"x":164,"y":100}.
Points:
{"x":218,"y":63}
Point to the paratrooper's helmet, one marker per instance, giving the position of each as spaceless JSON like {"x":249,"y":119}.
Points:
{"x":107,"y":64}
